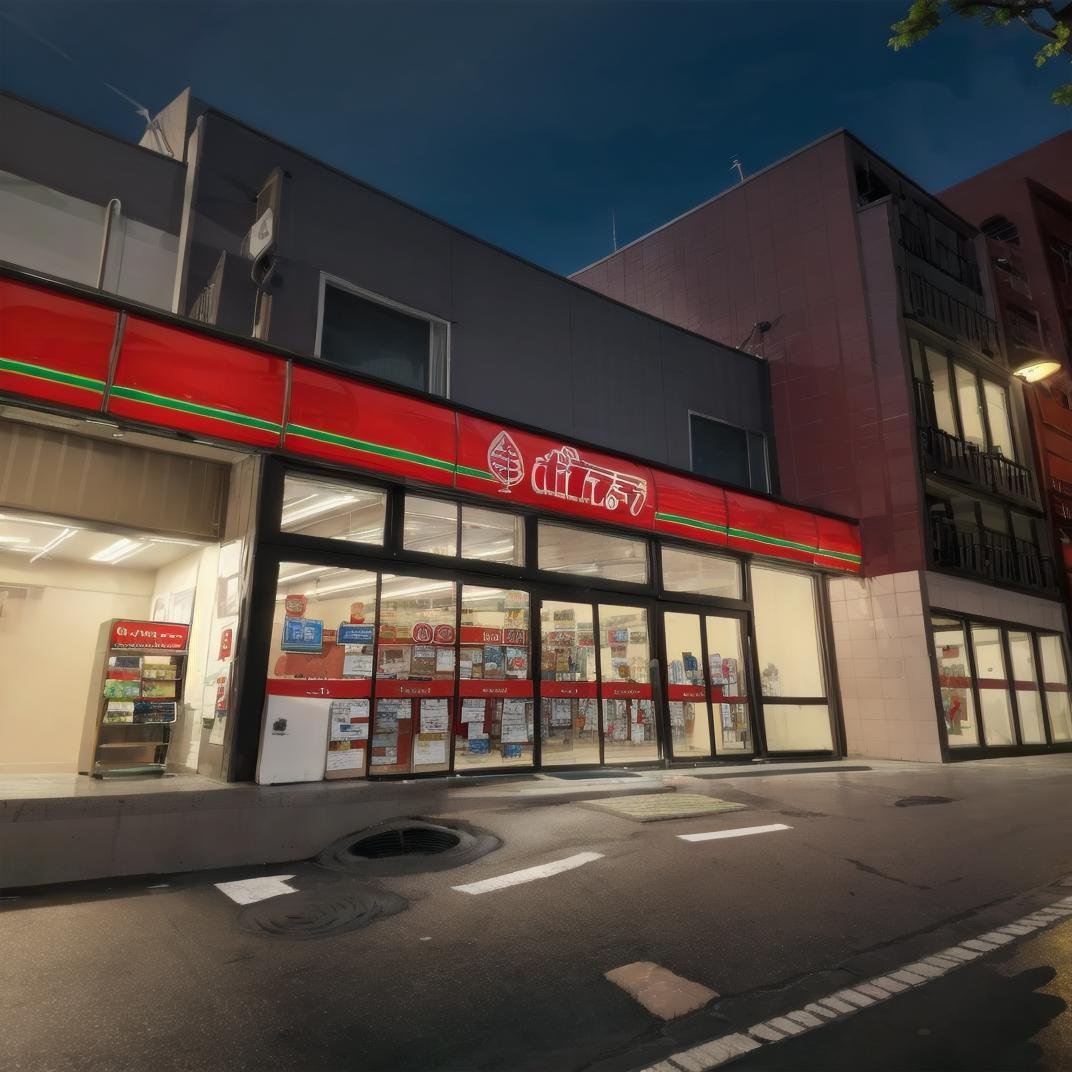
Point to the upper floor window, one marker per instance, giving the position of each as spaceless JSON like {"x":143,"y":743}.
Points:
{"x":963,"y":402}
{"x":725,"y":452}
{"x":380,"y":338}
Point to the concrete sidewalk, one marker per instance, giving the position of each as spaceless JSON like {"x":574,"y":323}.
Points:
{"x":86,"y":829}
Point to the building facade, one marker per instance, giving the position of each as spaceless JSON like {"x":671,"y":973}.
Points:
{"x":1024,"y":209}
{"x":894,"y":401}
{"x":298,"y":483}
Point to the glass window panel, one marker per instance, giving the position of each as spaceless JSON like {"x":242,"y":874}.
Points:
{"x":719,"y":450}
{"x":787,"y":633}
{"x":566,"y":549}
{"x":943,"y":399}
{"x":1055,"y":677}
{"x":1025,"y":681}
{"x":431,"y":526}
{"x":701,"y":573}
{"x":954,"y":682}
{"x":333,"y":510}
{"x":493,"y":536}
{"x":728,"y":672}
{"x":629,"y":727}
{"x":797,"y":727}
{"x":378,"y":340}
{"x":971,"y":415}
{"x":569,"y":718}
{"x":689,"y":729}
{"x":997,"y":410}
{"x":312,"y":603}
{"x":994,"y":517}
{"x":1023,"y":528}
{"x":995,"y":705}
{"x":494,"y":645}
{"x":412,"y":724}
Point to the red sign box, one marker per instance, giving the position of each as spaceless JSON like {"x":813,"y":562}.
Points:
{"x":150,"y":636}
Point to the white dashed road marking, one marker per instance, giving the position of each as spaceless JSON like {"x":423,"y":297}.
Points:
{"x":740,"y":831}
{"x":826,"y":1010}
{"x":530,"y":874}
{"x":250,"y":890}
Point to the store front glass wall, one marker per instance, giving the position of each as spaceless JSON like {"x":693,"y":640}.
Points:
{"x":569,"y":717}
{"x":954,"y":683}
{"x":796,"y":713}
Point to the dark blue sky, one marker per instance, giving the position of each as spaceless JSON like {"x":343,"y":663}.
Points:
{"x":525,"y":123}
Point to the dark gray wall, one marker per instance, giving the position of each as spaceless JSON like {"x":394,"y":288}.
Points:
{"x":526,"y":344}
{"x":82,"y":162}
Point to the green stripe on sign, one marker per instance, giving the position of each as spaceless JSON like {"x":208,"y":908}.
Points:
{"x":369,"y":448}
{"x":42,"y":372}
{"x":480,"y":474}
{"x":182,"y":406}
{"x":757,"y":537}
{"x":691,"y":522}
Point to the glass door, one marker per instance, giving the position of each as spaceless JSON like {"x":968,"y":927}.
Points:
{"x":625,"y":701}
{"x":707,"y":684}
{"x":569,"y":717}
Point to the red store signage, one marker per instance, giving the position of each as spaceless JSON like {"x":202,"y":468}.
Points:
{"x":152,"y":636}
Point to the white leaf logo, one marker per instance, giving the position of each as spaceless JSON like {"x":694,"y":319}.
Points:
{"x":505,"y":461}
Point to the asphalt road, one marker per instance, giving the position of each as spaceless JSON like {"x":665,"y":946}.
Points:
{"x":124,"y":976}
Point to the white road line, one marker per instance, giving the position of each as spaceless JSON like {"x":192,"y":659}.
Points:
{"x":740,"y":831}
{"x":530,"y":874}
{"x":824,"y":1011}
{"x":250,"y":890}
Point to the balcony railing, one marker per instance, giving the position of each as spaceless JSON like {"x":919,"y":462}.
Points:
{"x":932,"y":305}
{"x":950,"y":456}
{"x":991,"y":555}
{"x":939,"y":255}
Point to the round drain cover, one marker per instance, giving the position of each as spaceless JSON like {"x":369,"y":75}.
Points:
{"x":406,"y":847}
{"x":319,"y":913}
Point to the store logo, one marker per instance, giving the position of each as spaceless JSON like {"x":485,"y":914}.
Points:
{"x":505,"y":461}
{"x":564,"y":474}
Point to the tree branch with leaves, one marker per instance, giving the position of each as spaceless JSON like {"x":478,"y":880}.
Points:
{"x":1042,"y":17}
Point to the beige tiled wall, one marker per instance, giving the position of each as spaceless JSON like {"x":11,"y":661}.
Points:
{"x":884,"y":667}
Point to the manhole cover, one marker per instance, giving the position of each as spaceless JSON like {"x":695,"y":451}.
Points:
{"x":406,"y":847}
{"x":319,"y":913}
{"x":648,"y":809}
{"x":916,"y":802}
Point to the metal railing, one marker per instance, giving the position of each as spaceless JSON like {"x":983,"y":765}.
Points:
{"x":950,"y":456}
{"x":924,"y":301}
{"x":994,"y":556}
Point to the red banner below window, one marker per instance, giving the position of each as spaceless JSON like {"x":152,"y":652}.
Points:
{"x":492,"y":689}
{"x":562,"y":690}
{"x":626,"y":690}
{"x":320,"y":688}
{"x":414,"y":689}
{"x":686,"y":693}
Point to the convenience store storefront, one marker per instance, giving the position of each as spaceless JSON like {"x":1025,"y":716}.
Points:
{"x":432,"y":590}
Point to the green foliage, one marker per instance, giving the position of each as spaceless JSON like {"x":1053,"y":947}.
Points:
{"x":925,"y":16}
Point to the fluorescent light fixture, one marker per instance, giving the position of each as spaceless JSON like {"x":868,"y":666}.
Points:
{"x":115,"y":553}
{"x":315,"y":508}
{"x":52,"y":544}
{"x":14,"y":539}
{"x":1036,"y":369}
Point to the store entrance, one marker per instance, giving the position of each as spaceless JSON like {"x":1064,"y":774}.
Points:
{"x":595,"y":685}
{"x":707,"y":691}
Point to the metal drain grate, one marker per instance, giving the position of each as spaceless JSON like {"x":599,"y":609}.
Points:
{"x":320,"y":915}
{"x":405,"y":841}
{"x":916,"y":802}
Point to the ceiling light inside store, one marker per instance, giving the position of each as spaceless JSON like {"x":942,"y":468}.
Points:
{"x":14,"y":539}
{"x":313,"y":506}
{"x":115,"y":553}
{"x":52,"y":544}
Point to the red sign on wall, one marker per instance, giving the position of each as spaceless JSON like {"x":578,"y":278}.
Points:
{"x":152,"y":636}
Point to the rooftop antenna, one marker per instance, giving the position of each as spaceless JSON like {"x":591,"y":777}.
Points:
{"x":614,"y":230}
{"x":151,"y":125}
{"x":738,"y":167}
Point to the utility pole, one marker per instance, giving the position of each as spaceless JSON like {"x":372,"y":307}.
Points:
{"x":614,"y":230}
